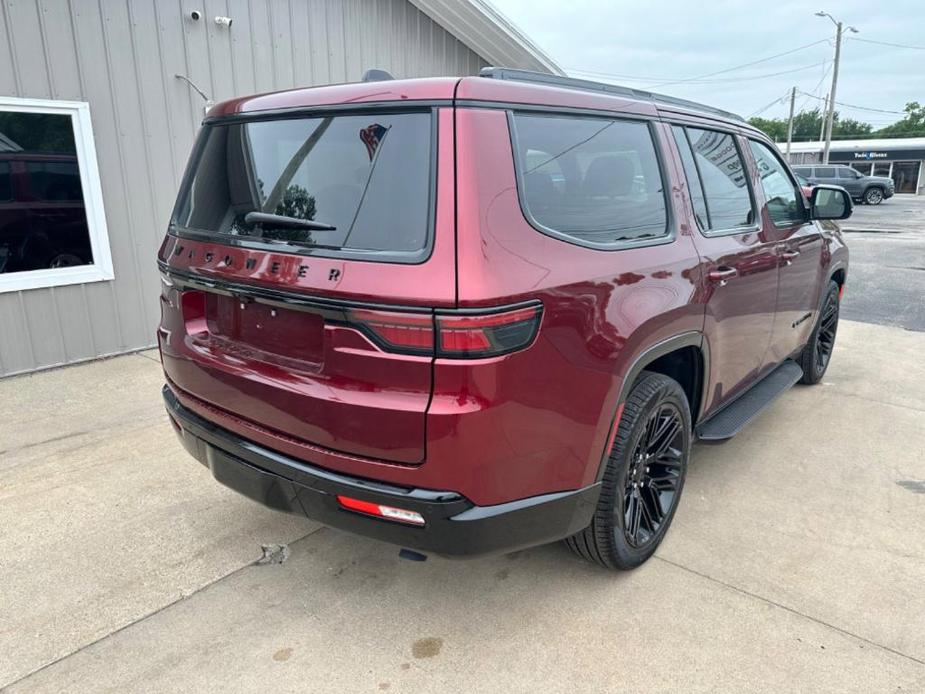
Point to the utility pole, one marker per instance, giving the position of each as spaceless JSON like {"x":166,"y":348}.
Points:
{"x":793,"y":98}
{"x":825,"y":110}
{"x":830,"y":116}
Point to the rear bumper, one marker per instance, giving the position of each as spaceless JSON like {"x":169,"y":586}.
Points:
{"x":454,"y":526}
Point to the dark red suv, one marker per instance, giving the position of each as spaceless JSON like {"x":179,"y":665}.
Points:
{"x":474,"y":315}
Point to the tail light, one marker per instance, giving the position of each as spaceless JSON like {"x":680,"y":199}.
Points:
{"x":408,"y":333}
{"x":454,"y":335}
{"x":486,"y":334}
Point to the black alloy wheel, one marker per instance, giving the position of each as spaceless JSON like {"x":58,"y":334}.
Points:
{"x":818,"y":351}
{"x":654,"y":476}
{"x":825,"y":337}
{"x":643,"y":476}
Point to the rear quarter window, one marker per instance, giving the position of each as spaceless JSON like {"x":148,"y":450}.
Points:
{"x":588,"y":180}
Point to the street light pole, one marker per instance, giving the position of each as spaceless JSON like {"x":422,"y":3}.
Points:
{"x":830,"y":116}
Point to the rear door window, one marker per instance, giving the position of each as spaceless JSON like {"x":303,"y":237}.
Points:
{"x":825,"y":172}
{"x":366,"y":179}
{"x":591,"y":181}
{"x":714,"y":158}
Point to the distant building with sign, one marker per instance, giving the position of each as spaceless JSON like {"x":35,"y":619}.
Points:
{"x":901,"y":158}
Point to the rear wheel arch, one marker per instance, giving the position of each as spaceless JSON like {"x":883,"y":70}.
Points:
{"x":684,"y":358}
{"x":839,"y":277}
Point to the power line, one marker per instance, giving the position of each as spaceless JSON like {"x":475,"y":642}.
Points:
{"x":744,"y":65}
{"x":765,"y":108}
{"x":805,"y":100}
{"x":667,"y":80}
{"x":746,"y":78}
{"x":859,"y":108}
{"x":887,"y":43}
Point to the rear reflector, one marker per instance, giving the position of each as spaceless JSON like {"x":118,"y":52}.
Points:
{"x":451,"y":334}
{"x":389,"y":512}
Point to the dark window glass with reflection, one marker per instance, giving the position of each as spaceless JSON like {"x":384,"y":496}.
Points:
{"x":367,"y":177}
{"x":723,"y":177}
{"x":591,"y":180}
{"x":785,"y":206}
{"x":693,"y":178}
{"x":6,"y":182}
{"x":43,"y":223}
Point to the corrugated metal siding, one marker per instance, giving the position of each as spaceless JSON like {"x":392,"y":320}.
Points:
{"x":121,"y":56}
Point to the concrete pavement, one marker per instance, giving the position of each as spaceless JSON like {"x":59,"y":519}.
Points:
{"x":796,"y":562}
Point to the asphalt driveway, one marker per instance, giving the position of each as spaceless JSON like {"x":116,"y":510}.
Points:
{"x":886,"y":278}
{"x":795,"y":563}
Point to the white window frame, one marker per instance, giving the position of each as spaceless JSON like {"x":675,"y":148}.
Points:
{"x":101,"y":269}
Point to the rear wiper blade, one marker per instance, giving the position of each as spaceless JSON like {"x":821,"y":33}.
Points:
{"x":283,"y":221}
{"x":301,"y":244}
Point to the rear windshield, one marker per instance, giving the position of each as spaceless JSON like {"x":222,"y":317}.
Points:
{"x":362,"y":182}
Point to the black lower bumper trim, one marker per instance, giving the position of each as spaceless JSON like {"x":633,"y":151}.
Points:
{"x":454,"y":526}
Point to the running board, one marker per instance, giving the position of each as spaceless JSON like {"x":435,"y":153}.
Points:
{"x":731,"y":419}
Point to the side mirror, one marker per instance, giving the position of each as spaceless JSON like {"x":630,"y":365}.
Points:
{"x":830,"y":202}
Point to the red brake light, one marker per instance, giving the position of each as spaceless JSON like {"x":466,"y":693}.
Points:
{"x":411,"y":333}
{"x":475,"y":334}
{"x":487,"y":334}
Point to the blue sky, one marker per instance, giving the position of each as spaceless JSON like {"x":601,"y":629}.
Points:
{"x":648,"y":45}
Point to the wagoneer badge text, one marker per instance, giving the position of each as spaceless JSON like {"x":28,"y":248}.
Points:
{"x":249,"y":264}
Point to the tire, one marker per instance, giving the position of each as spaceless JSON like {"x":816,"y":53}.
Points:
{"x":817,"y":354}
{"x":633,"y":493}
{"x":873,"y":195}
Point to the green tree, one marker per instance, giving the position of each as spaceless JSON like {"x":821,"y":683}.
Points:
{"x":807,"y":125}
{"x":913,"y":124}
{"x":775,"y":128}
{"x":39,"y":132}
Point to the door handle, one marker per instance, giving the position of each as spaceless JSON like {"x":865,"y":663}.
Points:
{"x":722,"y":275}
{"x":788,"y":256}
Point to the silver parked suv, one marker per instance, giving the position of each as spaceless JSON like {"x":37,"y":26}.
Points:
{"x":869,"y":189}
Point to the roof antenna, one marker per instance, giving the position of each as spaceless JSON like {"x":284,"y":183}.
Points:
{"x":376,"y":75}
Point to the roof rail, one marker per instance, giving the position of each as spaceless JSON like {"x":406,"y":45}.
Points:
{"x":505,"y":73}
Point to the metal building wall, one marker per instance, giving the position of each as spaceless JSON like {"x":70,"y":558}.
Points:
{"x":121,"y":56}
